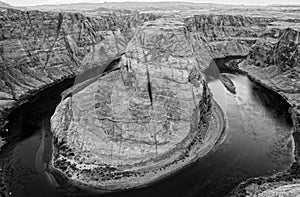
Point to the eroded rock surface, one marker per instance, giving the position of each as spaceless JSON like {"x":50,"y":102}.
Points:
{"x":138,"y":124}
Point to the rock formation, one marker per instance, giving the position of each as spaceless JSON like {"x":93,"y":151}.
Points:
{"x":144,"y":121}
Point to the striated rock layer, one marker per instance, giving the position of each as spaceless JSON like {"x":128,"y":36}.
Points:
{"x":144,"y":121}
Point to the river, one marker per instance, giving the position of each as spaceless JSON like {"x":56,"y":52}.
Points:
{"x":258,"y":142}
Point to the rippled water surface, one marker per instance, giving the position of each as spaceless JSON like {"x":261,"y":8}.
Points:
{"x":258,"y":143}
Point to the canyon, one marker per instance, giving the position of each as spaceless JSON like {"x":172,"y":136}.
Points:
{"x":140,"y":108}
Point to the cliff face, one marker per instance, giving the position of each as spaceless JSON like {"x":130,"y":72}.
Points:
{"x":38,"y":49}
{"x":143,"y":121}
{"x":228,"y":35}
{"x":277,"y":47}
{"x":274,"y":61}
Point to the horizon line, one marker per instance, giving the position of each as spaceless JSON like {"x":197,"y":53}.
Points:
{"x":150,"y":1}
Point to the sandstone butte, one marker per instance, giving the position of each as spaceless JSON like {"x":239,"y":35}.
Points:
{"x":39,"y":49}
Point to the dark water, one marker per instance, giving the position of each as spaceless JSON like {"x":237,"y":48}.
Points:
{"x":258,"y":143}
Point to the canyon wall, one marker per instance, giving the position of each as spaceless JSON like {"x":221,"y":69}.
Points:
{"x":41,"y":48}
{"x":38,"y":49}
{"x":228,"y":35}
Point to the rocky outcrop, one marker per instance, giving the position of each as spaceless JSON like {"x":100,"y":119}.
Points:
{"x":143,"y":121}
{"x":228,"y":35}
